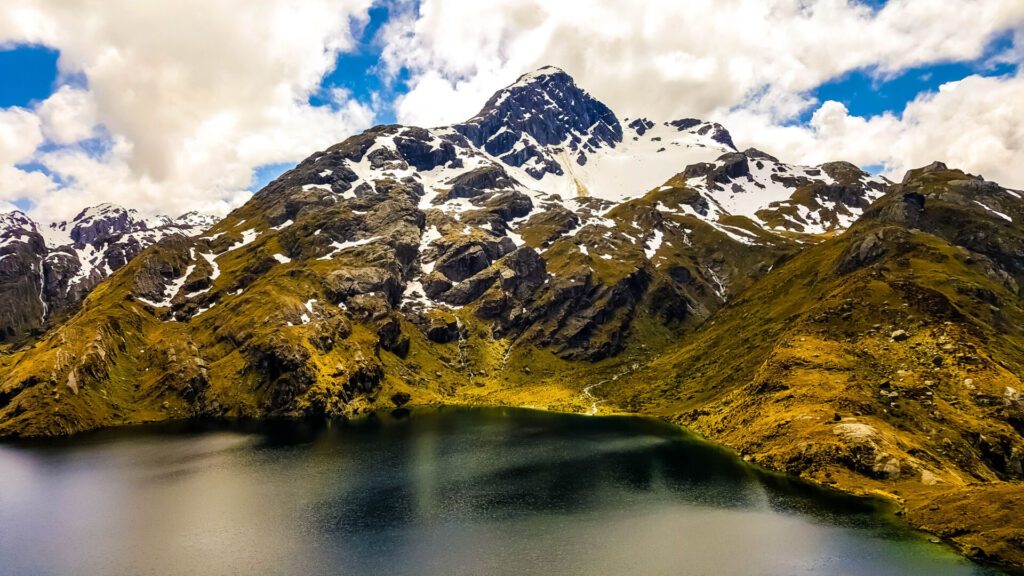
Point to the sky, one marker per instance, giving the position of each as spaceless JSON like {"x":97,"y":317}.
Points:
{"x":168,"y":106}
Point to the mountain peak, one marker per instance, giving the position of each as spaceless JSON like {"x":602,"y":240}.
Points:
{"x":15,"y":225}
{"x":542,"y":73}
{"x":542,"y":109}
{"x":548,"y":89}
{"x":15,"y":219}
{"x":935,"y":166}
{"x":104,"y":210}
{"x":195,"y":219}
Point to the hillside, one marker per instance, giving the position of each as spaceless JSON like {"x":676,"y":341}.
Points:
{"x":886,"y":360}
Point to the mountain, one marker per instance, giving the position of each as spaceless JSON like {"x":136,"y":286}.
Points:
{"x":545,"y":253}
{"x":46,"y":271}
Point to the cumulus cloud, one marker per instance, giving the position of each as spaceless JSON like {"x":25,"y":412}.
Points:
{"x":186,"y":98}
{"x":976,"y":123}
{"x":20,"y":133}
{"x":68,"y":116}
{"x":191,"y":95}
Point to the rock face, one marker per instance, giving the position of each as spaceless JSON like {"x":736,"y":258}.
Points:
{"x":542,"y":109}
{"x":46,"y":271}
{"x":527,"y":224}
{"x":22,"y":276}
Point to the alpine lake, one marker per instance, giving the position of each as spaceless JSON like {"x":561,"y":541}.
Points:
{"x":480,"y":491}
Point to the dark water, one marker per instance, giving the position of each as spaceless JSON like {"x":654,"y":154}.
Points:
{"x":458,"y":491}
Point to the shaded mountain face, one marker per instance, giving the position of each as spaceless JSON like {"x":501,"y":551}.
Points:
{"x":46,"y":271}
{"x":542,"y":110}
{"x":22,"y":253}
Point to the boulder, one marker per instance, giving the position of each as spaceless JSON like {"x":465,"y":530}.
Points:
{"x":442,"y":330}
{"x":390,"y":337}
{"x":471,"y":288}
{"x":345,"y":283}
{"x":463,"y":262}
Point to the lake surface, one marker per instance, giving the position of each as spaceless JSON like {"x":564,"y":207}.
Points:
{"x":451,"y":491}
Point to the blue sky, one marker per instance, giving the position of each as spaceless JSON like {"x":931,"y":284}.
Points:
{"x":360,"y":71}
{"x":449,"y":63}
{"x":867,"y":92}
{"x":28,"y":74}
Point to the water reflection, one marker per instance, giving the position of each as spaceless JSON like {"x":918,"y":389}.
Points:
{"x":455,"y":491}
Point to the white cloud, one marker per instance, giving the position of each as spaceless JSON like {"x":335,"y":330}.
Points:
{"x":976,"y":124}
{"x":18,"y":183}
{"x":194,"y":94}
{"x":68,"y":115}
{"x":20,"y":133}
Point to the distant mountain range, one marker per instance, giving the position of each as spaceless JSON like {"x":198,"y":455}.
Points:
{"x":46,"y":271}
{"x":822,"y":321}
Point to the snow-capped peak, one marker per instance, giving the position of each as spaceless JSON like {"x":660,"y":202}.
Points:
{"x":74,"y":256}
{"x":543,"y":114}
{"x":545,"y":138}
{"x":539,"y":74}
{"x":16,"y":220}
{"x":195,"y":219}
{"x":96,"y":225}
{"x":104,"y":210}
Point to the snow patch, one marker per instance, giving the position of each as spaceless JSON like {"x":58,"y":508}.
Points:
{"x":653,"y":245}
{"x":339,"y":246}
{"x":248,"y":237}
{"x":996,"y":212}
{"x":171,"y":290}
